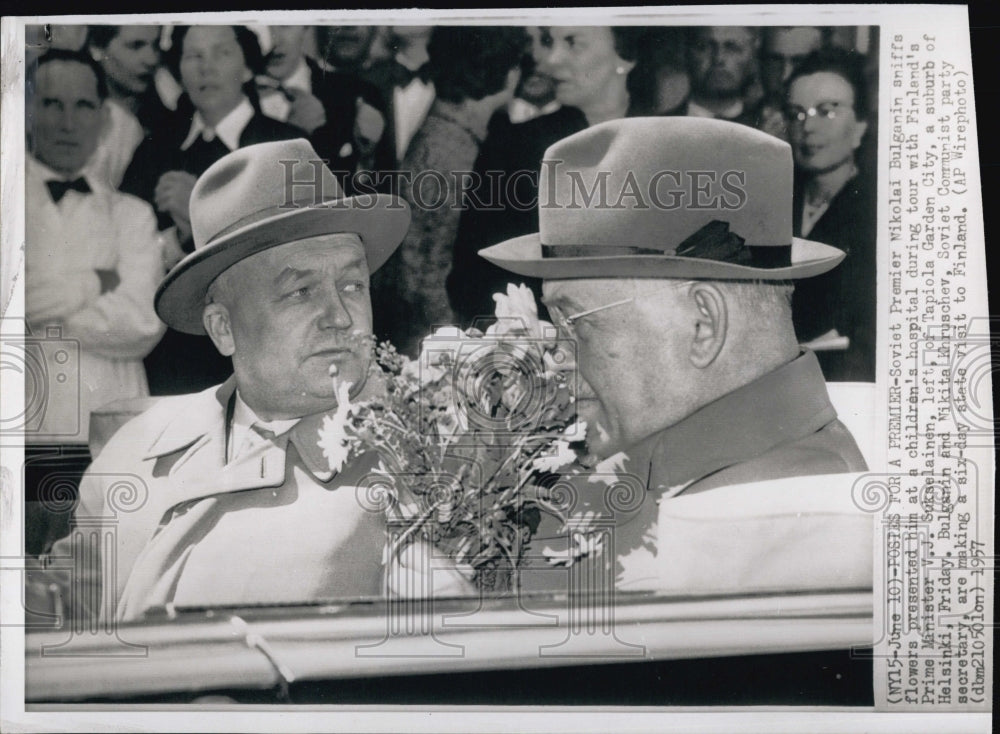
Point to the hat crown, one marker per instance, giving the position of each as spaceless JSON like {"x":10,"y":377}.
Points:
{"x":256,"y":182}
{"x":653,"y":182}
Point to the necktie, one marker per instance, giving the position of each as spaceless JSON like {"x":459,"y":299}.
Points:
{"x":256,"y":437}
{"x":58,"y":189}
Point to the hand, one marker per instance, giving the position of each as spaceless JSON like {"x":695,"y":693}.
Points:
{"x":173,"y":196}
{"x":306,"y":112}
{"x":369,"y":126}
{"x":407,"y":578}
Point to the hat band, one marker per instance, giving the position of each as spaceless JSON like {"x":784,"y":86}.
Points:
{"x":714,"y":241}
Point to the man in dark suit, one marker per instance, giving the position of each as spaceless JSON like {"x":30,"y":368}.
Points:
{"x":216,"y":66}
{"x":343,"y":114}
{"x":405,"y":86}
{"x":721,"y":65}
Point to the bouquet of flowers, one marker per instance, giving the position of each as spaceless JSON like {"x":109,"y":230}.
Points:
{"x":466,"y":433}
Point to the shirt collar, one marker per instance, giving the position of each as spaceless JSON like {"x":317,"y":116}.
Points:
{"x":206,"y":416}
{"x":44,"y":173}
{"x":244,"y":419}
{"x":228,"y":130}
{"x":784,"y":405}
{"x":301,"y":78}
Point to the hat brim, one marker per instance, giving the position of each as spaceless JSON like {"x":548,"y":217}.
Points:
{"x":380,"y":222}
{"x":523,"y":256}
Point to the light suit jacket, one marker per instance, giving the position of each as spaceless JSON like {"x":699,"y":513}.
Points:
{"x":163,"y":520}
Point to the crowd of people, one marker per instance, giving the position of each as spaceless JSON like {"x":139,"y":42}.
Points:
{"x":122,"y":120}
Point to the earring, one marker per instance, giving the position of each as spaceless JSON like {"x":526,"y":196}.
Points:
{"x":620,"y":70}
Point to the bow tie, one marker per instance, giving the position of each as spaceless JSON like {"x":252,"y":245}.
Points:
{"x":267,"y":84}
{"x":58,"y":188}
{"x":401,"y":76}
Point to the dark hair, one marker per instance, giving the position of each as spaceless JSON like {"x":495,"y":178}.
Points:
{"x":99,"y":36}
{"x":471,"y":62}
{"x":253,"y":57}
{"x":78,"y":57}
{"x":628,"y":40}
{"x":692,"y":34}
{"x":848,"y":65}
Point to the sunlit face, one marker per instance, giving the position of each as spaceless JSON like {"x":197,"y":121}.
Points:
{"x":131,"y":58}
{"x":288,"y":46}
{"x":213,"y":69}
{"x":292,"y":312}
{"x":784,"y":49}
{"x":819,"y":143}
{"x":67,"y":115}
{"x":584,"y":64}
{"x":623,"y":393}
{"x":721,"y":60}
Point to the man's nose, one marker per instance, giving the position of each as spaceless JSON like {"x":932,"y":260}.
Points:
{"x":67,"y":119}
{"x":150,"y":57}
{"x":335,"y":314}
{"x":552,"y":57}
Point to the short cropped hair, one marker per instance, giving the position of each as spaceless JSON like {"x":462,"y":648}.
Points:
{"x":99,"y":36}
{"x":472,"y":62}
{"x":78,"y":57}
{"x":253,"y":57}
{"x":849,"y":65}
{"x":628,"y":40}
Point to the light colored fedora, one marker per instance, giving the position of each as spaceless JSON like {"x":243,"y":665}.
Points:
{"x":262,"y":196}
{"x":666,"y":197}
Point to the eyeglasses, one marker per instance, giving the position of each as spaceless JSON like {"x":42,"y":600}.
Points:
{"x":567,"y":322}
{"x":825,"y":111}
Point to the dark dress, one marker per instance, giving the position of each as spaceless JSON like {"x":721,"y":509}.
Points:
{"x":183,"y":363}
{"x":842,"y":298}
{"x":502,"y":206}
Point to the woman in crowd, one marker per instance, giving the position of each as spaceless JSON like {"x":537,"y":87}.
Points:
{"x":217,"y":66}
{"x":590,"y":66}
{"x":130,"y":56}
{"x":826,"y":110}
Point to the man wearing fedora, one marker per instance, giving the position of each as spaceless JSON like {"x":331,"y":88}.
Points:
{"x":225,"y":497}
{"x":666,"y":252}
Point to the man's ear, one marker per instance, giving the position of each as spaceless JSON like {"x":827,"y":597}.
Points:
{"x":860,"y":128}
{"x":215,"y":317}
{"x":711,"y":323}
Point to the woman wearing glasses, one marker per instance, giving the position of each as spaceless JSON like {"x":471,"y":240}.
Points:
{"x":826,"y":112}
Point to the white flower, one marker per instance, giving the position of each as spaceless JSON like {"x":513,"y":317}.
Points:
{"x":438,"y":354}
{"x":450,"y":422}
{"x":562,"y":456}
{"x":333,"y":437}
{"x":576,"y":431}
{"x":516,"y":313}
{"x":614,"y":464}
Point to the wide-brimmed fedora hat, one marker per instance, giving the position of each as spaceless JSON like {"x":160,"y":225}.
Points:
{"x":666,"y":197}
{"x":262,"y":196}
